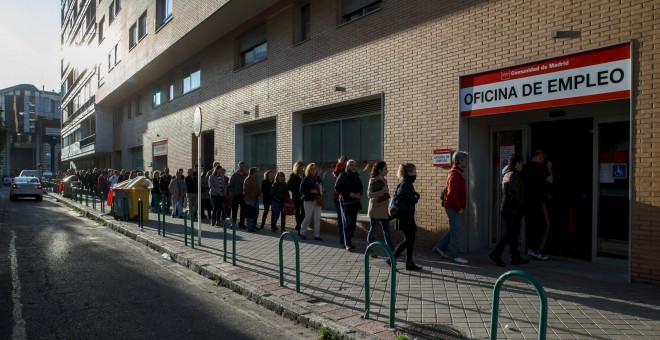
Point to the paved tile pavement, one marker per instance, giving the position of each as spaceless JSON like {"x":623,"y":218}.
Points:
{"x":444,"y":300}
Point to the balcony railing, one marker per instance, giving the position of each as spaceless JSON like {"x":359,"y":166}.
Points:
{"x":87,"y":141}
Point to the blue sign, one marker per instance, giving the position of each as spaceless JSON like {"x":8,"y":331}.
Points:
{"x":620,"y":171}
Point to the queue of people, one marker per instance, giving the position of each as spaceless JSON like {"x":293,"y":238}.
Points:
{"x":301,"y":195}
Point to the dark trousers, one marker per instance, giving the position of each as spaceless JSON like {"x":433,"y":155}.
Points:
{"x":409,"y":229}
{"x":236,"y":201}
{"x":207,"y":206}
{"x":340,"y":222}
{"x":537,"y":223}
{"x":167,"y":199}
{"x":267,"y":204}
{"x":349,"y":219}
{"x":510,"y":237}
{"x":300,"y":212}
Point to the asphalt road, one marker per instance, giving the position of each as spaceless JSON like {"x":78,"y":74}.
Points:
{"x":72,"y":278}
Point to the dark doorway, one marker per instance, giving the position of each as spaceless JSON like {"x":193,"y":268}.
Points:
{"x":569,"y":145}
{"x":208,"y":149}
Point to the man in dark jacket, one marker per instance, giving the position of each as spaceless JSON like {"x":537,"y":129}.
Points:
{"x":191,"y":191}
{"x":164,"y":185}
{"x":512,"y":208}
{"x":236,"y":190}
{"x":349,"y":187}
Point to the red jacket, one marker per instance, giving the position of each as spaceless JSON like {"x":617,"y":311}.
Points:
{"x":456,"y":191}
{"x":339,"y":168}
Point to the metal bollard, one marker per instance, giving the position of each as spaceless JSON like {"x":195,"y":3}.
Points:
{"x":125,"y":207}
{"x":86,"y":197}
{"x":185,"y":228}
{"x":233,"y":240}
{"x":140,"y":215}
{"x":192,"y":235}
{"x":295,"y":242}
{"x":162,"y":205}
{"x":543,"y":318}
{"x":94,"y":197}
{"x":367,"y":297}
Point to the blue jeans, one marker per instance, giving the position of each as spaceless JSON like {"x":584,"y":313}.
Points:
{"x":340,"y":223}
{"x":387,"y":235}
{"x":453,"y":235}
{"x":277,"y":211}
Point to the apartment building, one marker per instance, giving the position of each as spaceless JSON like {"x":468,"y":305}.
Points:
{"x":32,"y":118}
{"x":279,"y":81}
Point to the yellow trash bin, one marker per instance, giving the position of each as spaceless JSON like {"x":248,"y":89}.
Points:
{"x":138,"y":188}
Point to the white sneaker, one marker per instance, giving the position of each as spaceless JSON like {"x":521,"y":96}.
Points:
{"x":440,"y":252}
{"x":460,"y":260}
{"x":536,"y":255}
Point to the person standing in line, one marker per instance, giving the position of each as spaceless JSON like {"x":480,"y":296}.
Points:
{"x":455,"y":202}
{"x":207,"y":207}
{"x":236,"y":191}
{"x":339,"y":168}
{"x":349,"y":186}
{"x":217,"y":191}
{"x":177,"y":188}
{"x":155,"y":192}
{"x":114,"y":178}
{"x":102,"y":182}
{"x":512,"y":208}
{"x":293,"y":184}
{"x":538,"y":178}
{"x":191,"y":191}
{"x":227,"y":202}
{"x":310,"y":189}
{"x":266,"y":186}
{"x":280,"y":193}
{"x":251,"y":196}
{"x":165,"y":180}
{"x":408,"y":199}
{"x":379,"y":196}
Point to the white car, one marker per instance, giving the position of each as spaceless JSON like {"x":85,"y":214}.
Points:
{"x":26,"y":187}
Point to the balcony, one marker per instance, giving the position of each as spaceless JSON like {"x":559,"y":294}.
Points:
{"x":87,"y":141}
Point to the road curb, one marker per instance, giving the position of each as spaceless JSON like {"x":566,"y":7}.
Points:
{"x":277,"y":304}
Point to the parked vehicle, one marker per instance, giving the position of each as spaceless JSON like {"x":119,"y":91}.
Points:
{"x":29,"y":173}
{"x":26,"y":187}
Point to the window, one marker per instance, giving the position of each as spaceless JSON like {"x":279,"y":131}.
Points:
{"x":354,"y":130}
{"x":253,"y":47}
{"x":191,"y":78}
{"x":156,"y":97}
{"x":101,"y":23}
{"x":111,"y":11}
{"x":138,"y":107}
{"x":170,"y":91}
{"x":129,"y":108}
{"x":117,"y":6}
{"x":303,"y":22}
{"x":113,"y":57}
{"x":142,"y":26}
{"x":132,"y":36}
{"x":353,"y":9}
{"x":163,"y":12}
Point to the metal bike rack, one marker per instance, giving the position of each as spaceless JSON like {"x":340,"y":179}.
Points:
{"x":161,"y":211}
{"x":367,"y":297}
{"x":295,"y":242}
{"x":543,"y":318}
{"x":233,"y":239}
{"x":86,"y":191}
{"x":187,"y":215}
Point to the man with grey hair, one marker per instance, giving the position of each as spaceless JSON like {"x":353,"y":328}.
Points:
{"x":349,"y":187}
{"x":236,"y":190}
{"x":454,"y":202}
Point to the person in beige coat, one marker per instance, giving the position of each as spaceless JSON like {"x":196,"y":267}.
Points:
{"x":379,"y":199}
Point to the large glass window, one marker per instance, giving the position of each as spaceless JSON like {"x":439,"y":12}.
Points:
{"x":191,"y":78}
{"x":156,"y":97}
{"x":259,"y":150}
{"x":358,"y":138}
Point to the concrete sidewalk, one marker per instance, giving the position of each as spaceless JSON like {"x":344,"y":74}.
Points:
{"x":443,"y":301}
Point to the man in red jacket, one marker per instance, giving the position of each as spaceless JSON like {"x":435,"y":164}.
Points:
{"x":455,"y":201}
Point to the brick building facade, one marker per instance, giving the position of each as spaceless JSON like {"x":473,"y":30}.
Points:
{"x":281,"y":81}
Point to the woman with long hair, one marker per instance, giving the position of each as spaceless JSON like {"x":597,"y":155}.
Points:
{"x":379,"y":195}
{"x":408,"y":198}
{"x":280,"y":193}
{"x":311,"y":188}
{"x":293,"y":184}
{"x":266,"y":185}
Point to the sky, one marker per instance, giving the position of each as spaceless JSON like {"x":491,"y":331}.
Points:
{"x":30,"y":43}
